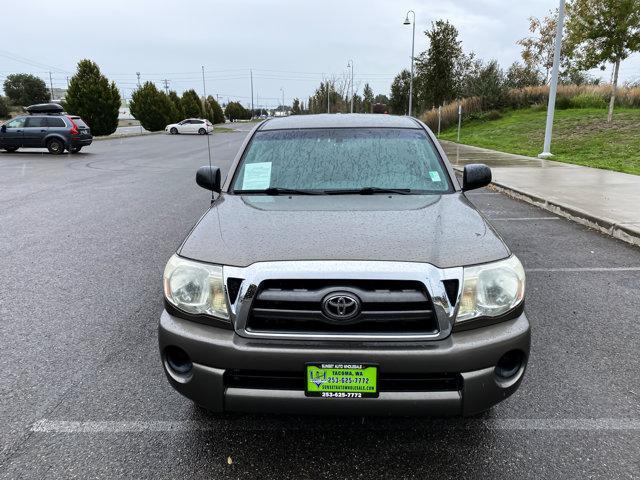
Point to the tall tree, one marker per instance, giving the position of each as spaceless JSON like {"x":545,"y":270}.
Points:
{"x":520,"y":75}
{"x":295,"y":108}
{"x":399,"y":101}
{"x":92,"y":97}
{"x":213,"y":111}
{"x":436,"y":68}
{"x":151,"y":107}
{"x":539,"y":48}
{"x":25,"y":89}
{"x":191,"y":104}
{"x":367,"y":98}
{"x":603,"y":31}
{"x":177,"y":103}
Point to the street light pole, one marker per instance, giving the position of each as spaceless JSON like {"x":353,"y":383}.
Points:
{"x":282,"y":90}
{"x":553,"y":86}
{"x":350,"y":64}
{"x":413,"y":41}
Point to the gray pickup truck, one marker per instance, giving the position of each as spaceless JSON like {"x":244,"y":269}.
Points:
{"x":342,"y":270}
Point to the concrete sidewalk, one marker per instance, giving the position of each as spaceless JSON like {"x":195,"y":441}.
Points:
{"x":606,"y":200}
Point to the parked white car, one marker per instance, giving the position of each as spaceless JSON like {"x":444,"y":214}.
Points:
{"x":190,"y":125}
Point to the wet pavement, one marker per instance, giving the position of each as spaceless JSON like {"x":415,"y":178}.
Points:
{"x":605,"y":199}
{"x":83,"y":395}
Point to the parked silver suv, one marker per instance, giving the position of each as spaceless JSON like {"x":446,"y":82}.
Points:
{"x":342,"y":270}
{"x":45,"y":127}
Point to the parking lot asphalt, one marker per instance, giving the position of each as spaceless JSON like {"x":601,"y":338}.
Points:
{"x":84,"y":240}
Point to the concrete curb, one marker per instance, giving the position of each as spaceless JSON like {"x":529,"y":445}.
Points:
{"x":626,"y":233}
{"x":124,"y":135}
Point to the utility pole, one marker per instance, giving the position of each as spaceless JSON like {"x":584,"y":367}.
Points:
{"x":282,"y":90}
{"x":553,"y":86}
{"x":51,"y":85}
{"x":166,"y":85}
{"x":350,"y":64}
{"x":67,"y":82}
{"x":328,"y":97}
{"x":413,"y":41}
{"x":138,"y":75}
{"x":251,"y":72}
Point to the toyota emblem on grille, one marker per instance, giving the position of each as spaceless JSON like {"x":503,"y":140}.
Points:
{"x":341,"y":306}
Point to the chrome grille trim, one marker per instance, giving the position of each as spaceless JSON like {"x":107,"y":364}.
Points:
{"x":425,"y":273}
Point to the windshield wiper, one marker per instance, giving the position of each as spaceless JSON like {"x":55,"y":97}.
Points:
{"x":368,"y":191}
{"x":280,"y":191}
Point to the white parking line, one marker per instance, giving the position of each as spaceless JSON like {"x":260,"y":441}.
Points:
{"x":520,"y":219}
{"x":585,"y":269}
{"x":185,"y":426}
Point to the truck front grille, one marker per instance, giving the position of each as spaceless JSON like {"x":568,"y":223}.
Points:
{"x":386,"y":306}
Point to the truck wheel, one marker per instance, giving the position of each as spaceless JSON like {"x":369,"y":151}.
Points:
{"x":11,"y":149}
{"x":55,"y":146}
{"x":75,"y":149}
{"x":173,"y":130}
{"x":202,"y":131}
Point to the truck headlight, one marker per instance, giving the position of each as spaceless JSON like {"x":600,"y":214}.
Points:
{"x":492,"y":289}
{"x":194,"y":287}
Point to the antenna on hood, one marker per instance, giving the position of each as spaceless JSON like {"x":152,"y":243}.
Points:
{"x":204,"y":110}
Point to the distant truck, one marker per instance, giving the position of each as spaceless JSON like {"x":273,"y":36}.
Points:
{"x":379,"y":108}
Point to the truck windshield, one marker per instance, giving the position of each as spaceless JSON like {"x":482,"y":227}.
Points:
{"x":341,"y":160}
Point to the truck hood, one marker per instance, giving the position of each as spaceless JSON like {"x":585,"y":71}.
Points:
{"x":443,"y":230}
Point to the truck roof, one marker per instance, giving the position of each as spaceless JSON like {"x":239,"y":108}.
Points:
{"x":346,"y":120}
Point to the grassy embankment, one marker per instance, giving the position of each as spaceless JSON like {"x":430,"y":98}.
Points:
{"x":580,"y":135}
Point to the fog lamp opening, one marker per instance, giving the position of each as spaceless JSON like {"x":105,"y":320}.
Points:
{"x":178,"y":360}
{"x":509,"y":365}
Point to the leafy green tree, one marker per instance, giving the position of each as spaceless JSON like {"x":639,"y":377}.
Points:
{"x":399,"y":101}
{"x":213,"y":111}
{"x":381,"y":98}
{"x":367,"y":98}
{"x":487,"y":84}
{"x":177,"y":104}
{"x":191,"y":104}
{"x":153,"y":108}
{"x":435,"y":81}
{"x":4,"y":108}
{"x":295,"y":108}
{"x":92,"y":97}
{"x":521,"y":75}
{"x":603,"y":31}
{"x":25,"y":89}
{"x":235,"y":111}
{"x":538,"y":49}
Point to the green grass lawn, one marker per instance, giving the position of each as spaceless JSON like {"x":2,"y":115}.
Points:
{"x":580,"y":136}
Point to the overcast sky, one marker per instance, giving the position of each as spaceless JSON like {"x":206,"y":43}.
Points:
{"x":289,"y":44}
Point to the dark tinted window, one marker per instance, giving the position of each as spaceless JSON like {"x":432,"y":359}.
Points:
{"x":55,"y":122}
{"x":36,"y":122}
{"x":197,"y":122}
{"x":79,"y":122}
{"x":342,"y":159}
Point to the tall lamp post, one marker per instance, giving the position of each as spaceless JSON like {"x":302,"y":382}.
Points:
{"x":413,"y":40}
{"x":553,"y":85}
{"x":282,"y":90}
{"x":350,"y":64}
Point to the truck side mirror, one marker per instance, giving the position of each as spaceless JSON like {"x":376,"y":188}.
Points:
{"x":3,"y":129}
{"x":475,"y":175}
{"x":209,"y":178}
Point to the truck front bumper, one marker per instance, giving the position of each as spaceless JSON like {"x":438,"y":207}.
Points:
{"x":216,"y":353}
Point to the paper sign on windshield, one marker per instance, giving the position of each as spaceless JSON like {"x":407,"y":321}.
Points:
{"x":257,"y":176}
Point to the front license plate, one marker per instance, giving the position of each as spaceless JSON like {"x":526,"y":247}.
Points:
{"x":341,"y":380}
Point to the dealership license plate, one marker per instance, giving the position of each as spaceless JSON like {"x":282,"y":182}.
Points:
{"x":342,"y":380}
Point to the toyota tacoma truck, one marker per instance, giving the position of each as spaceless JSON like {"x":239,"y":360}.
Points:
{"x":341,"y":269}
